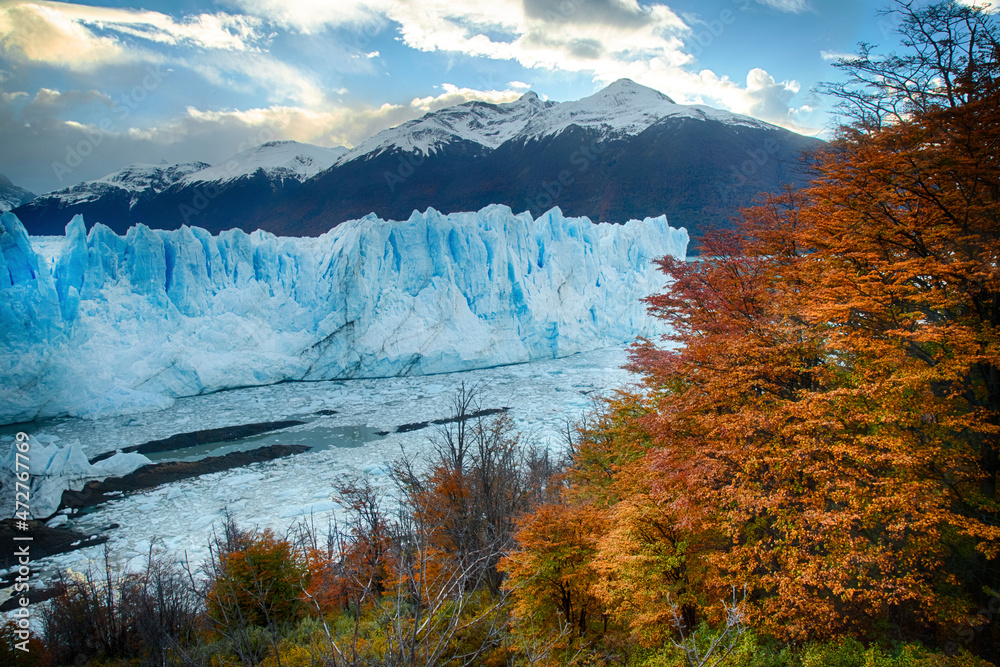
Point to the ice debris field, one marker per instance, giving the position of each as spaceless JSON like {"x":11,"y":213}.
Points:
{"x":94,"y":325}
{"x":178,"y":519}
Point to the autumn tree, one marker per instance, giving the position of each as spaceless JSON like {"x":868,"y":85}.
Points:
{"x":150,"y":616}
{"x":562,"y":585}
{"x":949,"y":58}
{"x":255,"y":582}
{"x":480,"y":478}
{"x":832,"y":412}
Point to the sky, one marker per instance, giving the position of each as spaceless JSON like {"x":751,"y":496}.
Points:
{"x":87,"y":88}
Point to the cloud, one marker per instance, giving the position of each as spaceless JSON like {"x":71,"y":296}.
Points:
{"x":312,"y":17}
{"x":209,"y":31}
{"x":260,"y":72}
{"x":625,"y":15}
{"x":836,"y":55}
{"x":990,"y":6}
{"x":37,"y":137}
{"x":230,"y":51}
{"x":766,"y":97}
{"x":606,"y":39}
{"x":453,"y":95}
{"x":336,"y":126}
{"x":80,"y":37}
{"x":35,"y":32}
{"x":792,"y":6}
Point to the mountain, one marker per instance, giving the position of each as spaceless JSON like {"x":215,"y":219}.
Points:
{"x":11,"y":196}
{"x":482,"y":125}
{"x":216,"y":196}
{"x":114,"y":324}
{"x":625,"y":152}
{"x":110,"y":199}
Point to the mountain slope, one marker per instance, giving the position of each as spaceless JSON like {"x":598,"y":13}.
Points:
{"x":12,"y":196}
{"x":109,"y":200}
{"x":216,"y":196}
{"x":625,"y":152}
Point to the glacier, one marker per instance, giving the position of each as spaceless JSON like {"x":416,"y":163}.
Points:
{"x":114,"y":325}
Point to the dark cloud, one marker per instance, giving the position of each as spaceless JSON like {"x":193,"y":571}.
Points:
{"x":577,"y":47}
{"x":43,"y":150}
{"x":612,"y":13}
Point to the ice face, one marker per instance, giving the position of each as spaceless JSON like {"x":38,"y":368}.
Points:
{"x":122,"y":325}
{"x":54,"y":468}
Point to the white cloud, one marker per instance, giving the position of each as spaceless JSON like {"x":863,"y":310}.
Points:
{"x":836,"y":55}
{"x":607,"y":39}
{"x":260,"y":72}
{"x":336,"y":126}
{"x":69,"y":35}
{"x":230,"y":51}
{"x":210,"y":31}
{"x":766,"y":97}
{"x":991,"y":6}
{"x":37,"y":32}
{"x":453,"y":95}
{"x":313,"y":17}
{"x":793,"y":6}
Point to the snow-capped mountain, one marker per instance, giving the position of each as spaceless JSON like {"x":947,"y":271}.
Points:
{"x":627,"y":151}
{"x":277,"y":159}
{"x":167,"y":196}
{"x":111,"y":198}
{"x":12,"y":196}
{"x":624,"y":108}
{"x":481,"y":123}
{"x":139,"y":180}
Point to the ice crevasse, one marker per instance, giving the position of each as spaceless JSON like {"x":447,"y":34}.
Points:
{"x":112,"y":324}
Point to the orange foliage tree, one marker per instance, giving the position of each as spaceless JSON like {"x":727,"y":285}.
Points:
{"x":256,"y":580}
{"x":832,"y":414}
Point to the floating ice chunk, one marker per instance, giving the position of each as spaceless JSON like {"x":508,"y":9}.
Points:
{"x":119,"y":465}
{"x":53,"y":469}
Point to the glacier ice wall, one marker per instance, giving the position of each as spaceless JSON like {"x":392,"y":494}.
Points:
{"x":122,"y":324}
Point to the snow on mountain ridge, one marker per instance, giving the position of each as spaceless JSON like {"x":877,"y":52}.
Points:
{"x":136,"y":179}
{"x":285,"y":159}
{"x":126,"y":324}
{"x":623,"y":108}
{"x":484,"y":123}
{"x":12,"y":196}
